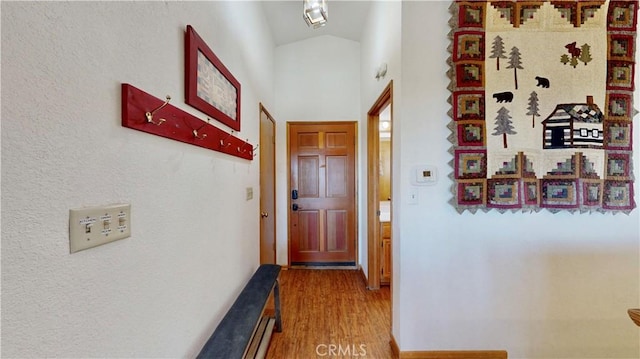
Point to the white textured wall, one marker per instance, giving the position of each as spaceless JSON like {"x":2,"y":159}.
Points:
{"x":194,"y":243}
{"x":538,"y":285}
{"x":315,"y":80}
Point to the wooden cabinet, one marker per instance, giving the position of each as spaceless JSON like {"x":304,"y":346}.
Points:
{"x":385,"y":253}
{"x":384,"y":182}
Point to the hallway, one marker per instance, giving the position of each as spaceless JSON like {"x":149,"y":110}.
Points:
{"x":330,"y":314}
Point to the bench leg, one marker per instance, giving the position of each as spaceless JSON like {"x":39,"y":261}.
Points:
{"x":276,"y":297}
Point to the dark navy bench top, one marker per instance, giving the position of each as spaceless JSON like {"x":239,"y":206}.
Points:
{"x":233,"y":334}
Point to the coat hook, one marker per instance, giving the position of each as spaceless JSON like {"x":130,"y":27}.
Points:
{"x":225,"y":139}
{"x":149,"y":115}
{"x":255,"y":149}
{"x":195,"y":131}
{"x":240,"y":149}
{"x":201,"y":137}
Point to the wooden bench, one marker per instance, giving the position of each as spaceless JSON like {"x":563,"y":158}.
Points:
{"x":245,"y":331}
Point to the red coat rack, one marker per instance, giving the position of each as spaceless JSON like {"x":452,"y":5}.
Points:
{"x":143,"y":112}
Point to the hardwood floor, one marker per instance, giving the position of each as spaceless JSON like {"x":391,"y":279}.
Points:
{"x":330,"y":314}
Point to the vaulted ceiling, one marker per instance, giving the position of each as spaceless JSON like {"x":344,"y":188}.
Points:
{"x":346,"y":20}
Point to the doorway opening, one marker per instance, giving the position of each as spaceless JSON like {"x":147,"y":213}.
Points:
{"x":379,"y":191}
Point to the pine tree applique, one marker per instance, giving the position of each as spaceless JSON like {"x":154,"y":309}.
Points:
{"x":497,"y":51}
{"x":585,"y":56}
{"x":504,"y":125}
{"x":515,"y":63}
{"x":533,"y":108}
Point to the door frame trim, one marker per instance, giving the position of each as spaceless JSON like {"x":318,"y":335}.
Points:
{"x":275,"y":194}
{"x":373,"y":171}
{"x":356,"y":214}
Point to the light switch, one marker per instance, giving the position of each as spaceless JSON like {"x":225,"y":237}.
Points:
{"x":249,"y":195}
{"x":93,"y":226}
{"x":413,"y":196}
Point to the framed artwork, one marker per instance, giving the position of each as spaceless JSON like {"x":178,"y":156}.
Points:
{"x":542,"y":108}
{"x":209,"y":85}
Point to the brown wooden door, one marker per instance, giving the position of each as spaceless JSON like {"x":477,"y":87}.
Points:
{"x":322,"y":224}
{"x":267,"y":188}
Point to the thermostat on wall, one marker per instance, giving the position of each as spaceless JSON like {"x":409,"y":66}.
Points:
{"x":424,"y":175}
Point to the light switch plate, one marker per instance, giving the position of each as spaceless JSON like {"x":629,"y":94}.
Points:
{"x":93,"y":226}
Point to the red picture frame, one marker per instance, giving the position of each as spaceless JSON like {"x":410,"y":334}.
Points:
{"x":209,"y":85}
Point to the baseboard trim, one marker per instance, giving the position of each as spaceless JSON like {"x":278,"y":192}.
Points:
{"x":446,"y":354}
{"x":455,"y":354}
{"x":395,"y":350}
{"x":364,"y":276}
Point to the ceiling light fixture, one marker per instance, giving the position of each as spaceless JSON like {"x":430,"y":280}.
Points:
{"x":315,"y":12}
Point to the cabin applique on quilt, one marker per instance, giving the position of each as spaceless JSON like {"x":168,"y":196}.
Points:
{"x":542,"y":105}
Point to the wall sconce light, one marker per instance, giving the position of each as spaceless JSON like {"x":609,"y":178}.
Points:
{"x":381,"y":72}
{"x":315,"y":12}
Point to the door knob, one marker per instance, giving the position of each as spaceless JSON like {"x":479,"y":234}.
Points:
{"x":264,"y":214}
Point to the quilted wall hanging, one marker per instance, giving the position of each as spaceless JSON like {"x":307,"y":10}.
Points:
{"x":542,"y":105}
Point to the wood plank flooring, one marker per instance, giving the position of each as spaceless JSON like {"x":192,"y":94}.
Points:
{"x":330,"y":314}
